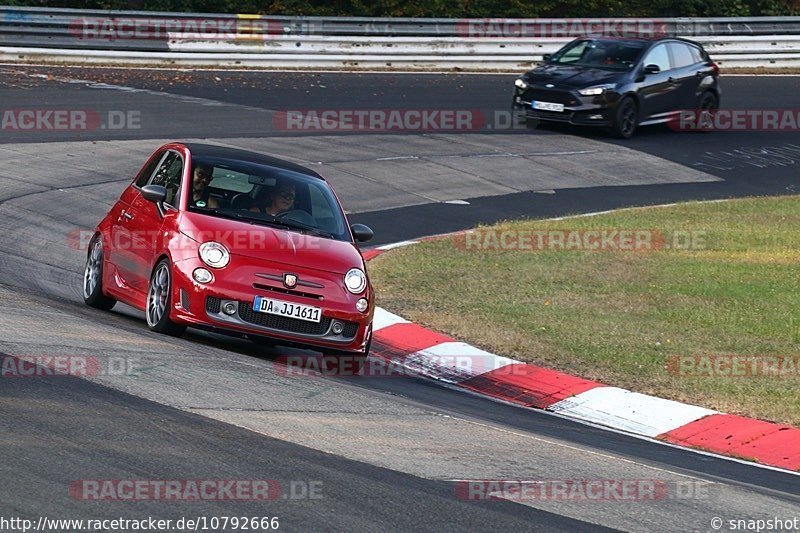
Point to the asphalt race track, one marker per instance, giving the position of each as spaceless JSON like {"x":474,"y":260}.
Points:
{"x":385,"y":453}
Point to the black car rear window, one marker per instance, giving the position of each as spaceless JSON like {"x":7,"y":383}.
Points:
{"x":682,"y":55}
{"x":697,"y":54}
{"x":597,"y":53}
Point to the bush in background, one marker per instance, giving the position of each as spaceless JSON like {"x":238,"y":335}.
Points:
{"x":449,"y":9}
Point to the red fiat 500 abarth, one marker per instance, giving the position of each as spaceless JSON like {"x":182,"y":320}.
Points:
{"x":235,"y":241}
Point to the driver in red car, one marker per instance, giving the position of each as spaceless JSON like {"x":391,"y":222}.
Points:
{"x":281,"y":199}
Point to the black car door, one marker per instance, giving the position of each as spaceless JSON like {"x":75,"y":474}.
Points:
{"x":657,"y":90}
{"x":687,"y":74}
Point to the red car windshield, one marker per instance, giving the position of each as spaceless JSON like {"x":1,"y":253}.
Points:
{"x":265,"y":194}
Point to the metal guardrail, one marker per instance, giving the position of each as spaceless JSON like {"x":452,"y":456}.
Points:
{"x":316,"y":42}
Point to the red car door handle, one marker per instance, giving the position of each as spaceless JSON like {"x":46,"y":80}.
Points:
{"x":127,"y":215}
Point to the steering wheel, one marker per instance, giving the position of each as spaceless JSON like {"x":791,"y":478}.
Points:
{"x":298,"y":215}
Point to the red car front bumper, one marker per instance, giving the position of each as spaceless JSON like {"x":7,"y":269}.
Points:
{"x":202,"y":305}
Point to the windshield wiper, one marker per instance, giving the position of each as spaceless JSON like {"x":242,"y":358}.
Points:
{"x":259,"y":218}
{"x":299,"y":226}
{"x":277,"y":221}
{"x":225,"y":213}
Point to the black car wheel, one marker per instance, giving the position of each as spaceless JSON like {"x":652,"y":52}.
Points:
{"x":93,"y":278}
{"x":626,"y":119}
{"x":707,"y":105}
{"x":159,"y":301}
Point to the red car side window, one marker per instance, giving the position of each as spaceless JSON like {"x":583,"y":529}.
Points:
{"x":147,"y":170}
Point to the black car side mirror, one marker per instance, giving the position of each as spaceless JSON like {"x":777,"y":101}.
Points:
{"x":361,"y":232}
{"x":652,"y":69}
{"x":547,"y":57}
{"x":154,"y":193}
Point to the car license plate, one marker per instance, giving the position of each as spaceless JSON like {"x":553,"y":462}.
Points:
{"x":547,"y":106}
{"x":289,"y":309}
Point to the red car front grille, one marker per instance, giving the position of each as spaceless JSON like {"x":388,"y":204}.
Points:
{"x":282,"y":323}
{"x":295,"y":325}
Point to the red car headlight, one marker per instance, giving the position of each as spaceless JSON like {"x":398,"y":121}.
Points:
{"x":355,"y":280}
{"x":214,"y":254}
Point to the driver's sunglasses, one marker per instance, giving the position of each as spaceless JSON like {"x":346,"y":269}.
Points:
{"x":205,"y":176}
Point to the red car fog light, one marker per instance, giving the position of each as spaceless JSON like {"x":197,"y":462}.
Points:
{"x":229,"y":308}
{"x":202,"y":275}
{"x":337,"y":327}
{"x":362,"y":305}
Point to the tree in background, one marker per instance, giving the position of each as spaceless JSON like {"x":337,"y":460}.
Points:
{"x":449,"y":9}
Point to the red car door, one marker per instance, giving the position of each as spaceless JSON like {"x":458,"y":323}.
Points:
{"x":113,"y":247}
{"x":142,"y":225}
{"x":120,"y":251}
{"x":146,"y":220}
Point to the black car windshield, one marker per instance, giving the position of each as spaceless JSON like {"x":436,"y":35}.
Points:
{"x":266,"y":195}
{"x":600,"y":53}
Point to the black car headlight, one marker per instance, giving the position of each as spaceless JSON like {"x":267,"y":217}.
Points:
{"x":521,"y":84}
{"x":597,"y":89}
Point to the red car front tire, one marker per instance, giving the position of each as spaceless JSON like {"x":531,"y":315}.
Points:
{"x":159,"y":301}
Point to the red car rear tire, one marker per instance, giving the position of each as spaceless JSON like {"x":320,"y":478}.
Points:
{"x":93,"y":278}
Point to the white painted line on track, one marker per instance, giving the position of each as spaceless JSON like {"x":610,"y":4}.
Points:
{"x":455,"y":362}
{"x":584,"y":450}
{"x":657,"y":206}
{"x":536,"y":154}
{"x":396,"y":245}
{"x":630,"y":411}
{"x":384,"y":319}
{"x":608,"y":429}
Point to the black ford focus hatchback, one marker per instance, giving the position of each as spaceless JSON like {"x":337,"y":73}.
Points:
{"x":619,"y":83}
